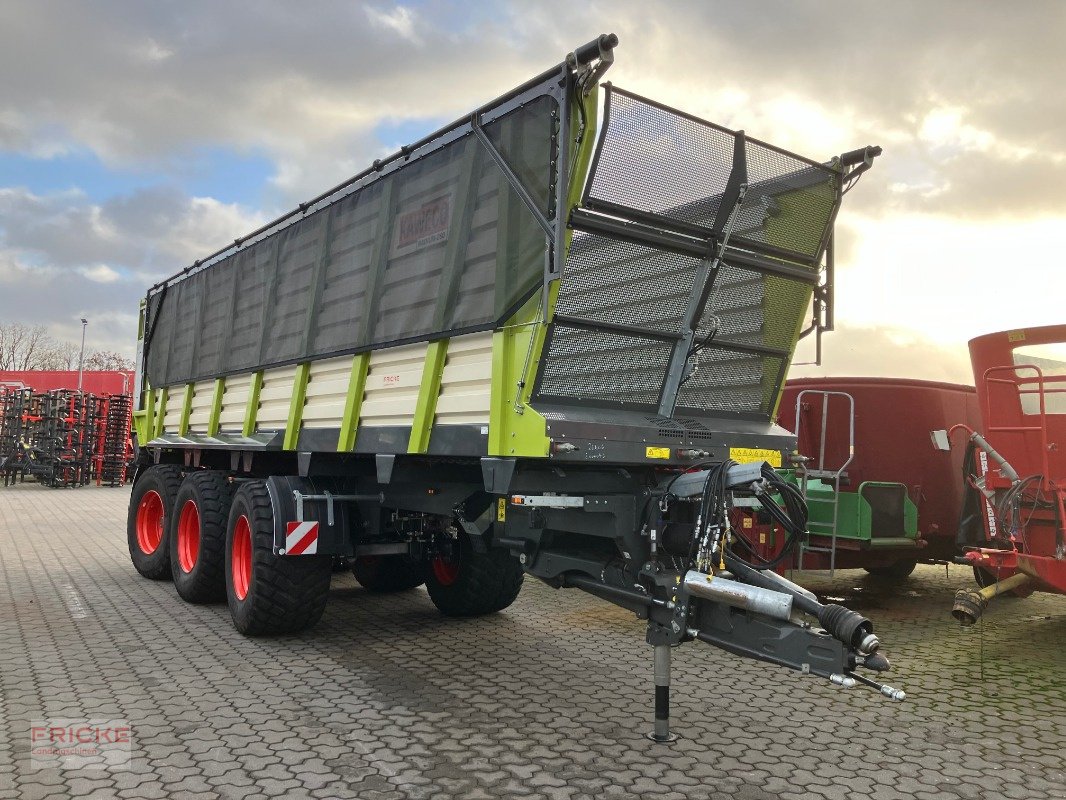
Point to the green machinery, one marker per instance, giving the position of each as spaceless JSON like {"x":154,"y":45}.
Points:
{"x":548,"y":339}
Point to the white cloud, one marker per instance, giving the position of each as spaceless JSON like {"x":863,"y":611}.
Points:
{"x":152,"y":51}
{"x":870,"y":351}
{"x":63,"y":257}
{"x":400,"y":20}
{"x":949,"y":279}
{"x":100,"y":273}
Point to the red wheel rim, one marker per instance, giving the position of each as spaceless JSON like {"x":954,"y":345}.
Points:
{"x":241,"y":557}
{"x":188,"y":536}
{"x":445,"y":570}
{"x":149,"y":522}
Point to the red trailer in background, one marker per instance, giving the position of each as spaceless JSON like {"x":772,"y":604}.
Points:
{"x":99,"y":382}
{"x":1018,"y":464}
{"x":881,"y":496}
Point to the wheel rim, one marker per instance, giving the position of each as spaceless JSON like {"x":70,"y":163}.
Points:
{"x":241,"y":557}
{"x":150,"y":522}
{"x":188,"y":536}
{"x":445,"y":570}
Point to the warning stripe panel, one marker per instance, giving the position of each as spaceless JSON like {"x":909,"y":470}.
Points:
{"x":301,"y":538}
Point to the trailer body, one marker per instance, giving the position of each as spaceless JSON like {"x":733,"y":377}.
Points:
{"x":507,"y":347}
{"x":900,"y":498}
{"x":1016,"y":468}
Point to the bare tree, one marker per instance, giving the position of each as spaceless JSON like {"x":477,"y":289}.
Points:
{"x":107,"y":360}
{"x":28,"y":347}
{"x":59,"y":356}
{"x":22,"y":346}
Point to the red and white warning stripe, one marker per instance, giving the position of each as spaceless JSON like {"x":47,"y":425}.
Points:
{"x":301,"y":538}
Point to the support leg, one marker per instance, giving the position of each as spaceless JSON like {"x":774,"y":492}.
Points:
{"x":661,"y":732}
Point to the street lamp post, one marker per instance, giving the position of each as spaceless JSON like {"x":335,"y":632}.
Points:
{"x":81,"y":356}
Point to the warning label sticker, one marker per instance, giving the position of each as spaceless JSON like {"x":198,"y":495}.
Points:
{"x":749,"y":455}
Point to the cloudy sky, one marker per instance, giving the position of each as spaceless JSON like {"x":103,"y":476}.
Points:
{"x":136,"y":137}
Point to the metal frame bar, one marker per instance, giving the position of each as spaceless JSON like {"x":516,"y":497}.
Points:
{"x":428,"y":392}
{"x":589,"y":221}
{"x":186,"y":409}
{"x":296,"y":406}
{"x":164,"y":395}
{"x":615,"y":327}
{"x":353,"y":402}
{"x":251,"y":410}
{"x":213,"y":421}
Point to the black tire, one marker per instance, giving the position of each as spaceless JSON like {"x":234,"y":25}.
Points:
{"x":395,"y":573}
{"x":283,"y":594}
{"x":475,"y":583}
{"x":898,"y":571}
{"x":198,"y":537}
{"x":147,"y":522}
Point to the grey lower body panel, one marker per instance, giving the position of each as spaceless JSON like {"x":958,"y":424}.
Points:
{"x":465,"y":441}
{"x":624,"y":437}
{"x":264,"y":440}
{"x":580,"y":435}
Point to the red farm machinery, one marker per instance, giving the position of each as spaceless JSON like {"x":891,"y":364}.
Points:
{"x":881,"y":497}
{"x":1014,"y":520}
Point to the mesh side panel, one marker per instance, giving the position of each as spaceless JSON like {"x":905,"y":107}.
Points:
{"x":521,"y":137}
{"x":341,"y":306}
{"x":789,"y":202}
{"x":518,"y":256}
{"x":608,"y":280}
{"x":441,"y":244}
{"x":658,"y":161}
{"x":248,"y":297}
{"x":747,"y":307}
{"x":600,"y":366}
{"x":301,"y":249}
{"x":183,"y":337}
{"x":214,"y":325}
{"x":161,"y":325}
{"x":728,"y":381}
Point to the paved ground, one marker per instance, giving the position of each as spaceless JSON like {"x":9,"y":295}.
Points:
{"x":385,"y":699}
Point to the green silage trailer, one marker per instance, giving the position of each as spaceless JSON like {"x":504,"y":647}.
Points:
{"x":547,"y":339}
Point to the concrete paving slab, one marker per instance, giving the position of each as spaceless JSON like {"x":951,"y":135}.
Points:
{"x":549,"y":699}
